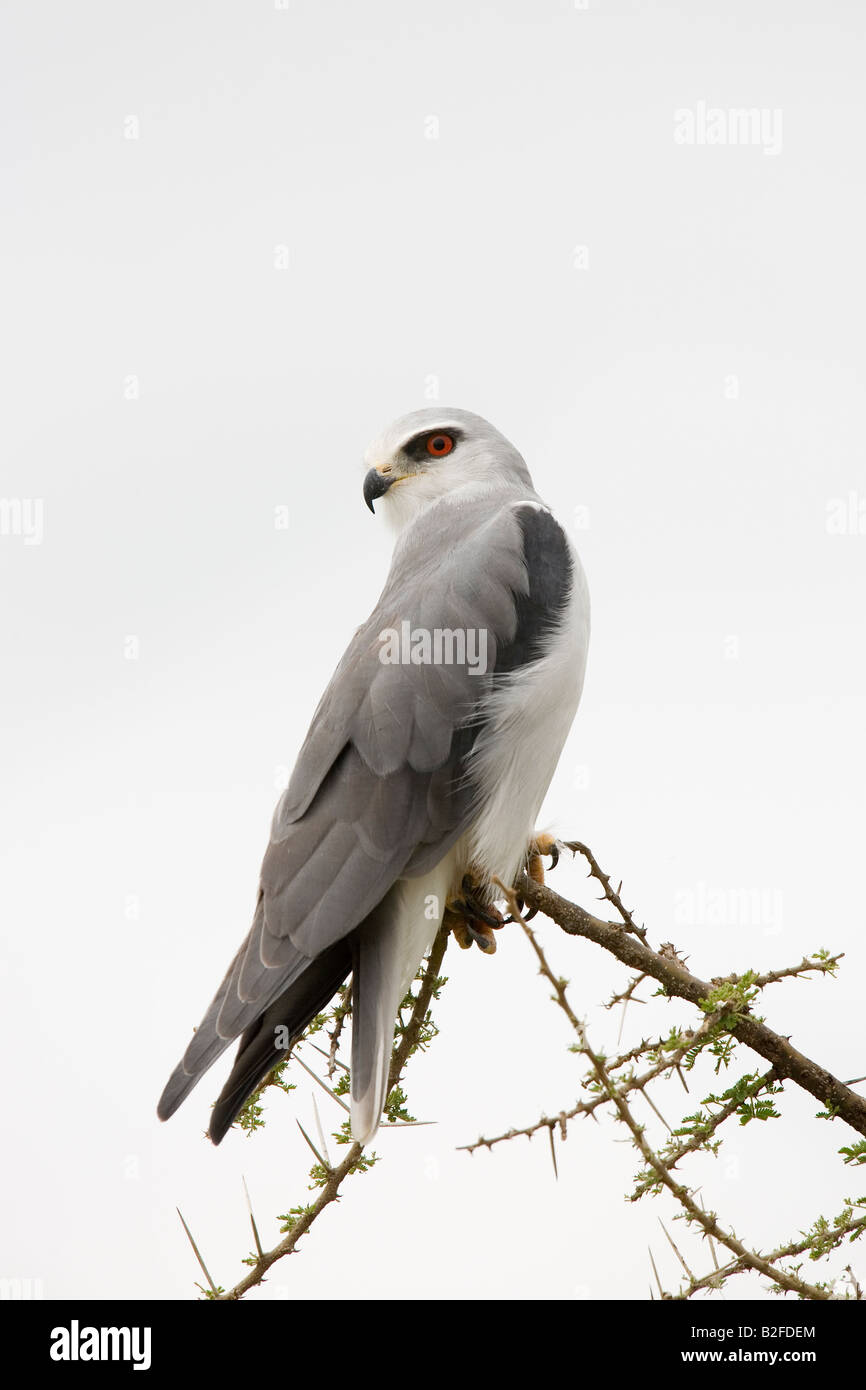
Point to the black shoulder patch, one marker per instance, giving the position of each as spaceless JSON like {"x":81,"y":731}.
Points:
{"x":549,"y":568}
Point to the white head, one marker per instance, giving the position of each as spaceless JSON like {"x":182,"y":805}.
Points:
{"x":434,"y":453}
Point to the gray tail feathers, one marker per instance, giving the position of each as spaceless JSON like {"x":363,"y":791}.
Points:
{"x":206,"y":1046}
{"x":383,"y":954}
{"x":389,"y":946}
{"x":260,"y":1051}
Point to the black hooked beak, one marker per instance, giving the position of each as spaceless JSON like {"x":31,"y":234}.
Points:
{"x":375,"y":486}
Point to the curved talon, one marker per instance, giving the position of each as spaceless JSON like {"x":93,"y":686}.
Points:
{"x":474,"y":910}
{"x":472,"y":920}
{"x":472,"y":906}
{"x":539,"y":847}
{"x":483,"y":937}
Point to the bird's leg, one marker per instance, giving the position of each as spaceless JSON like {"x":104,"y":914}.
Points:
{"x":471,"y":919}
{"x":540,"y":846}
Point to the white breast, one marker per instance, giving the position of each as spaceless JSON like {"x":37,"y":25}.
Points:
{"x":527,"y":720}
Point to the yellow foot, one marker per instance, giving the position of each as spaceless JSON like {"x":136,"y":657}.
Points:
{"x":542,"y":845}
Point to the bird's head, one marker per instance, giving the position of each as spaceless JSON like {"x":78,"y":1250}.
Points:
{"x":432,"y":453}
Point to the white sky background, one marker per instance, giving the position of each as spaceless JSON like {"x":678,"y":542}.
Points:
{"x":694,"y":378}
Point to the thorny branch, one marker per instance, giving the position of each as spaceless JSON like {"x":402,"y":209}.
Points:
{"x":726,"y":1006}
{"x":743,"y":1257}
{"x":677,"y":980}
{"x":726,"y":1018}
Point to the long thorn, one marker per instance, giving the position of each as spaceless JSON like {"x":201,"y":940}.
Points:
{"x":323,"y":1085}
{"x":676,"y":1251}
{"x":553,"y":1152}
{"x":621,"y":1023}
{"x":322,"y":1161}
{"x":709,"y":1237}
{"x":196,"y":1251}
{"x":405,"y":1124}
{"x":325,"y":1054}
{"x":653,"y":1105}
{"x":252,"y":1219}
{"x":655,"y":1272}
{"x":321,"y":1133}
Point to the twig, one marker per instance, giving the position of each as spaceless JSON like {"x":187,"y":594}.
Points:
{"x":612,"y":895}
{"x":706,"y":1220}
{"x":677,"y":980}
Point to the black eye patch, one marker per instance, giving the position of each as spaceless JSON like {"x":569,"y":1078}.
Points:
{"x":417,"y":447}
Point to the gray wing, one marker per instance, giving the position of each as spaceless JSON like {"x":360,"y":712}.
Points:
{"x":378,"y":789}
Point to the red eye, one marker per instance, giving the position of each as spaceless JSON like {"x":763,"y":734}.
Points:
{"x":439,"y":445}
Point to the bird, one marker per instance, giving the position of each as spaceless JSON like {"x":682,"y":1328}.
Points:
{"x":425,"y":765}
